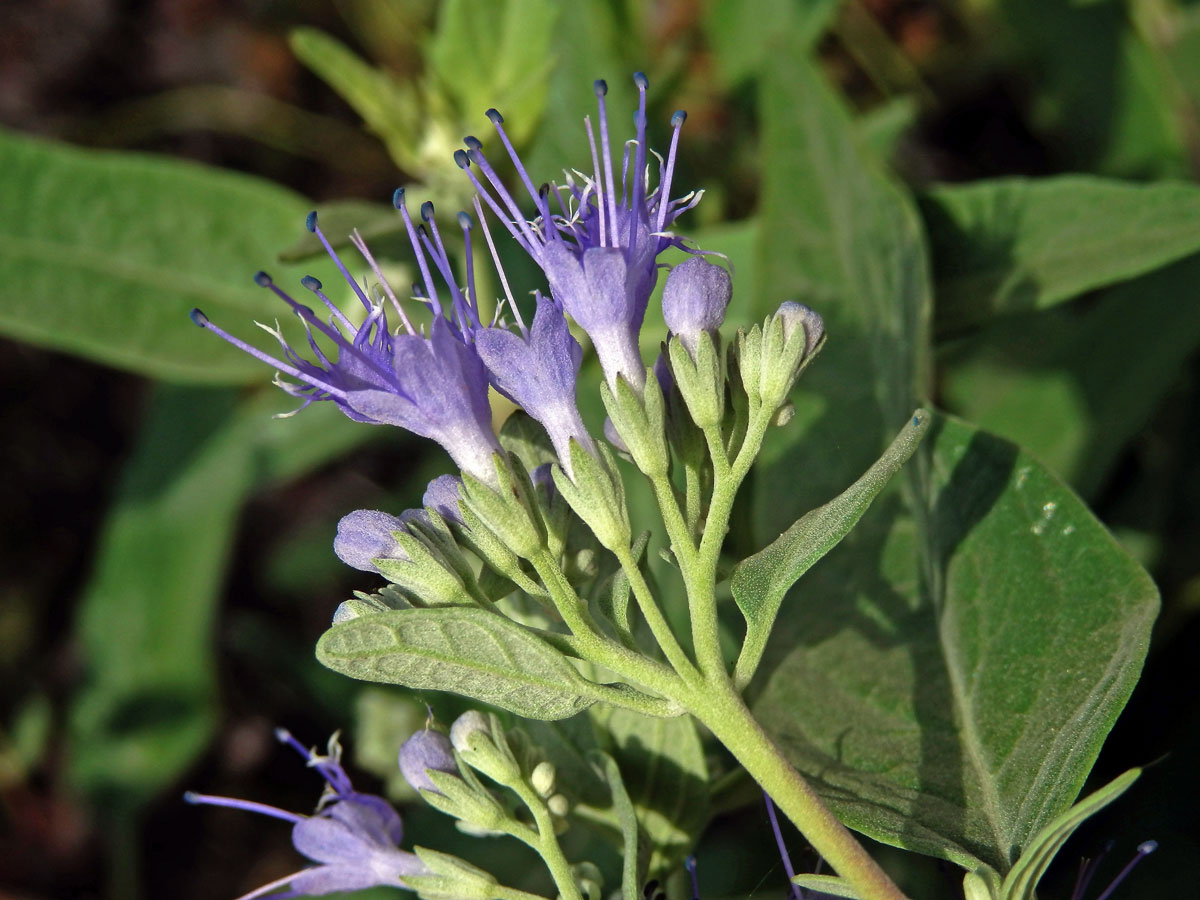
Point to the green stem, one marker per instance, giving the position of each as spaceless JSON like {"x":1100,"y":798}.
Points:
{"x":592,"y":643}
{"x":659,"y":626}
{"x":721,"y":709}
{"x":547,"y":844}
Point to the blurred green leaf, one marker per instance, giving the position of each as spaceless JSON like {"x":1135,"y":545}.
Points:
{"x":1016,"y":244}
{"x":740,"y":34}
{"x":664,"y":770}
{"x":1102,"y":96}
{"x":1074,"y":385}
{"x":391,"y":109}
{"x":469,"y":651}
{"x":953,"y":676}
{"x":632,"y":871}
{"x":104,"y":254}
{"x":147,"y":705}
{"x":496,"y":54}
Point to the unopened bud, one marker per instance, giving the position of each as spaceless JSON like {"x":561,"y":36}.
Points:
{"x":542,"y":778}
{"x":427,"y":749}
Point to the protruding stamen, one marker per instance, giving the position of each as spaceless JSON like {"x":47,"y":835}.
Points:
{"x":498,"y":121}
{"x":639,"y":158}
{"x":668,"y":170}
{"x":783,"y":852}
{"x":311,"y":224}
{"x":418,"y":251}
{"x":1144,"y":849}
{"x":262,"y":279}
{"x":316,"y":287}
{"x":247,"y":805}
{"x":487,"y":236}
{"x":384,"y":284}
{"x":690,"y":865}
{"x":461,"y":159}
{"x":606,"y":156}
{"x":473,"y":143}
{"x":198,"y":318}
{"x":427,"y":211}
{"x":600,"y":87}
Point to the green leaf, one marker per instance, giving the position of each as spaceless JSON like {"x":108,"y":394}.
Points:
{"x":951,"y":677}
{"x":663,"y":767}
{"x":1023,"y":880}
{"x":104,"y":254}
{"x":472,"y":652}
{"x":947,"y":674}
{"x":759,"y":582}
{"x":1102,"y":100}
{"x":1015,"y":244}
{"x":147,"y":705}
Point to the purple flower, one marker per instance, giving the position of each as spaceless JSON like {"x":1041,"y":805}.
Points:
{"x":353,"y":837}
{"x":537,"y":370}
{"x":694,"y":299}
{"x":599,"y":245}
{"x":432,"y":384}
{"x":427,"y":749}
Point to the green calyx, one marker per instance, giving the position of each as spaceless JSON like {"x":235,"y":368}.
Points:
{"x":700,"y":378}
{"x":597,"y":495}
{"x":511,"y":513}
{"x":638,"y":419}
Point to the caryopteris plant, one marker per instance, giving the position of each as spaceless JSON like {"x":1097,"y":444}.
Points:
{"x":525,"y":582}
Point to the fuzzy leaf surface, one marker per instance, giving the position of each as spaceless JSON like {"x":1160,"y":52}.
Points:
{"x":472,"y":652}
{"x":947,"y":674}
{"x":113,"y":280}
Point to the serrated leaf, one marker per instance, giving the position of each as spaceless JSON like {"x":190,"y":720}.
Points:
{"x":1023,"y":880}
{"x":663,"y":767}
{"x":1015,"y":244}
{"x":953,"y":676}
{"x":759,"y":582}
{"x":103,"y":254}
{"x":473,"y":652}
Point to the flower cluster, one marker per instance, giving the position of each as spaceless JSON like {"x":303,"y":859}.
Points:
{"x":597,"y":239}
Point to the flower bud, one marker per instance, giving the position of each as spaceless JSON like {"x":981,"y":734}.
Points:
{"x":542,"y":778}
{"x":797,"y":315}
{"x":469,"y":723}
{"x":366,"y":535}
{"x":427,"y":749}
{"x":694,"y":299}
